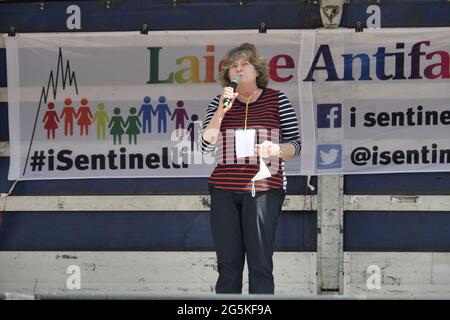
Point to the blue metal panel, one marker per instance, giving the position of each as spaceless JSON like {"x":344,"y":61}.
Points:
{"x":160,"y":15}
{"x":397,"y":231}
{"x":3,"y":81}
{"x":423,"y":183}
{"x":130,"y":231}
{"x":212,"y":15}
{"x":4,"y":167}
{"x":394,"y":13}
{"x":296,"y":185}
{"x":4,"y":122}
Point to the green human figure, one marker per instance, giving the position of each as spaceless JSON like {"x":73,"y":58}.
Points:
{"x":117,"y":126}
{"x":101,"y":118}
{"x":133,"y":124}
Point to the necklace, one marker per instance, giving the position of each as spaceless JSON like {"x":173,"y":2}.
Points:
{"x":249,"y":97}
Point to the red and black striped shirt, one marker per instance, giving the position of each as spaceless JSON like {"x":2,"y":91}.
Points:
{"x":274,"y":119}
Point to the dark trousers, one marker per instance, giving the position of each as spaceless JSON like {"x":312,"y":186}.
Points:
{"x":245,"y":225}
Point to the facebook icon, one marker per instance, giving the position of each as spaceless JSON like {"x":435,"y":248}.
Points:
{"x":329,"y":115}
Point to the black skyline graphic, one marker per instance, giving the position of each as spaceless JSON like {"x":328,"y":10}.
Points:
{"x":67,"y":76}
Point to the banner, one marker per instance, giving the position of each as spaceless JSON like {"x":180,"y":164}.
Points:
{"x":107,"y":105}
{"x":375,"y":101}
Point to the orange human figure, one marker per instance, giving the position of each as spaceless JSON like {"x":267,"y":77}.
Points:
{"x":51,"y":120}
{"x":68,"y":114}
{"x":84,"y":116}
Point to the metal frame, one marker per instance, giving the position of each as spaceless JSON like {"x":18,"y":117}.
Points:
{"x":330,"y":204}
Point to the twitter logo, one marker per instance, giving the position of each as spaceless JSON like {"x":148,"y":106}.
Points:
{"x":329,"y":156}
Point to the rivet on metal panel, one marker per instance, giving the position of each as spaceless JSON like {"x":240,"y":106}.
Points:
{"x":206,"y":203}
{"x":12,"y":33}
{"x":144,"y":29}
{"x":174,"y":2}
{"x":108,"y":4}
{"x":42,"y":5}
{"x":91,"y":266}
{"x":352,"y":199}
{"x":359,"y":27}
{"x":392,"y":280}
{"x":263,"y":28}
{"x":405,"y":199}
{"x":66,"y":256}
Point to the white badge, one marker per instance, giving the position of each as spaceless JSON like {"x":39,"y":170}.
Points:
{"x":263,"y":172}
{"x":245,"y":143}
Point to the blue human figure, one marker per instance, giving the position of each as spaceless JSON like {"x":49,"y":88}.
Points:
{"x":147,"y":111}
{"x":162,"y":109}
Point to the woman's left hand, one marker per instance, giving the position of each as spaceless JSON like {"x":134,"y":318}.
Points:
{"x":269,"y":149}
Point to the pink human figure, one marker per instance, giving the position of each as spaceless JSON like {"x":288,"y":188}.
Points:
{"x":84,"y":116}
{"x":180,"y":115}
{"x":51,"y":120}
{"x":68,"y":114}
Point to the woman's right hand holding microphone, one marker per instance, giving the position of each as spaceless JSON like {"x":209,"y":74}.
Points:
{"x":228,"y":93}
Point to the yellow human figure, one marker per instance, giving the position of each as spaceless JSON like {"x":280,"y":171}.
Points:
{"x":101,"y":118}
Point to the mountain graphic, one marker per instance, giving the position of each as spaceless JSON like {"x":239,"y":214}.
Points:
{"x":66,"y":76}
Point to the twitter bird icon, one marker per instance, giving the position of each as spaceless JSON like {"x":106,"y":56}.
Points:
{"x":329,"y":156}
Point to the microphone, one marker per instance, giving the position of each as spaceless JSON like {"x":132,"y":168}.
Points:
{"x":234,"y":84}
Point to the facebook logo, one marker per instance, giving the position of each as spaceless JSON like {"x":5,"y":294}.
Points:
{"x":329,"y":156}
{"x":329,"y":115}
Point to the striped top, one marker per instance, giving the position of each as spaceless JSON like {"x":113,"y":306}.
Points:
{"x":274,"y":119}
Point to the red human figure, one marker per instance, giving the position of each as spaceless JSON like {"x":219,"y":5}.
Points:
{"x":84,"y":116}
{"x":51,"y":120}
{"x":68,"y":114}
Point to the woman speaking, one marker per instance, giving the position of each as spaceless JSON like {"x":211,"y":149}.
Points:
{"x":254,"y":130}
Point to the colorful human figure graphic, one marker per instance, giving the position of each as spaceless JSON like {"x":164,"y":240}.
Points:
{"x":194,"y":129}
{"x":101,"y":118}
{"x":117,"y":125}
{"x":50,"y":120}
{"x":133,"y":124}
{"x":179,"y":114}
{"x":148,"y":112}
{"x":84,"y":117}
{"x":68,"y":114}
{"x":162,"y":109}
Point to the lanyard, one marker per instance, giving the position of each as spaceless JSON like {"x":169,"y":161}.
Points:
{"x":246,"y":108}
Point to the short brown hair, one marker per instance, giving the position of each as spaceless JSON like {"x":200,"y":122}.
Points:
{"x":247,"y":51}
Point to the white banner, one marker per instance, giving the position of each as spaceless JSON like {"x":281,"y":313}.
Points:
{"x":109,"y":105}
{"x":375,"y":102}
